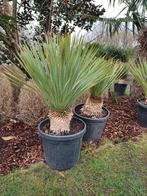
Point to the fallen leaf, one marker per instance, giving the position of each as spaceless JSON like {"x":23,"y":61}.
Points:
{"x":61,"y":174}
{"x":8,"y":138}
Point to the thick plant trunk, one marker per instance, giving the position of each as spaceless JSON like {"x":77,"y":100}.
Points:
{"x":60,"y":122}
{"x":93,"y":106}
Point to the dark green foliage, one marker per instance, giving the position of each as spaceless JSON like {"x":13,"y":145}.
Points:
{"x":7,"y":38}
{"x":113,"y":52}
{"x":68,"y":14}
{"x":65,"y":15}
{"x":116,"y":53}
{"x":24,"y":15}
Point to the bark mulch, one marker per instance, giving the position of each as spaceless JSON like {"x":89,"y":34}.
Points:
{"x":21,"y":151}
{"x":122,"y":124}
{"x":21,"y":146}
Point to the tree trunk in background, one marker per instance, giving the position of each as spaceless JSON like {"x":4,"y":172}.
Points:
{"x":49,"y":20}
{"x":15,"y":33}
{"x":10,"y":37}
{"x":125,"y":34}
{"x":5,"y":9}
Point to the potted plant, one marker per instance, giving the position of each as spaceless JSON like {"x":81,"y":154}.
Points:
{"x":139,"y":72}
{"x":92,"y":112}
{"x":62,"y":70}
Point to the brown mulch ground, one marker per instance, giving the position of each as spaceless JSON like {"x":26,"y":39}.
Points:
{"x":21,"y":151}
{"x":25,"y":149}
{"x":122,"y":124}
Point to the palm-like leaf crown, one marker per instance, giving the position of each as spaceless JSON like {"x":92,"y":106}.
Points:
{"x":140,"y":74}
{"x":62,"y":69}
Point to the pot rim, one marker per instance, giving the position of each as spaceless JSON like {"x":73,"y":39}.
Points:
{"x":61,"y":138}
{"x":121,"y":84}
{"x":91,"y":119}
{"x":141,"y":103}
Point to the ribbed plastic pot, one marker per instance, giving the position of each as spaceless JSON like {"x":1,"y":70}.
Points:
{"x":61,"y":152}
{"x":142,"y":113}
{"x":120,"y":89}
{"x":94,"y":127}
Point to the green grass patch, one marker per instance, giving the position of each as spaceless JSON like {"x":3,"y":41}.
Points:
{"x":115,"y":170}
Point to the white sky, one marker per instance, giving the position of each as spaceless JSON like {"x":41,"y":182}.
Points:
{"x":110,"y":10}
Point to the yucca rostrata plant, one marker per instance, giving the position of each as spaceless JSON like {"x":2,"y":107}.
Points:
{"x":92,"y":112}
{"x":62,"y":69}
{"x":139,"y":71}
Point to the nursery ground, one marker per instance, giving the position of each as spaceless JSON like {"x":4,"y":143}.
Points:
{"x":111,"y":169}
{"x":20,"y":145}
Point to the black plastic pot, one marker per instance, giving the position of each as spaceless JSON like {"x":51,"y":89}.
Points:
{"x":61,"y":152}
{"x":94,"y":127}
{"x":120,"y":89}
{"x":142,"y":113}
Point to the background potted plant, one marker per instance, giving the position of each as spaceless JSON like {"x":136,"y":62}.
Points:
{"x":139,"y":71}
{"x":120,"y":55}
{"x":92,"y":112}
{"x":121,"y":86}
{"x":62,"y":70}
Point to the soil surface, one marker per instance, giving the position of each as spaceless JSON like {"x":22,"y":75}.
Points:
{"x":20,"y":145}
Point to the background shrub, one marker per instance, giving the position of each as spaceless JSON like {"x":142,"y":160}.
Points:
{"x":6,"y":97}
{"x":113,"y":52}
{"x":31,"y":106}
{"x":15,"y":88}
